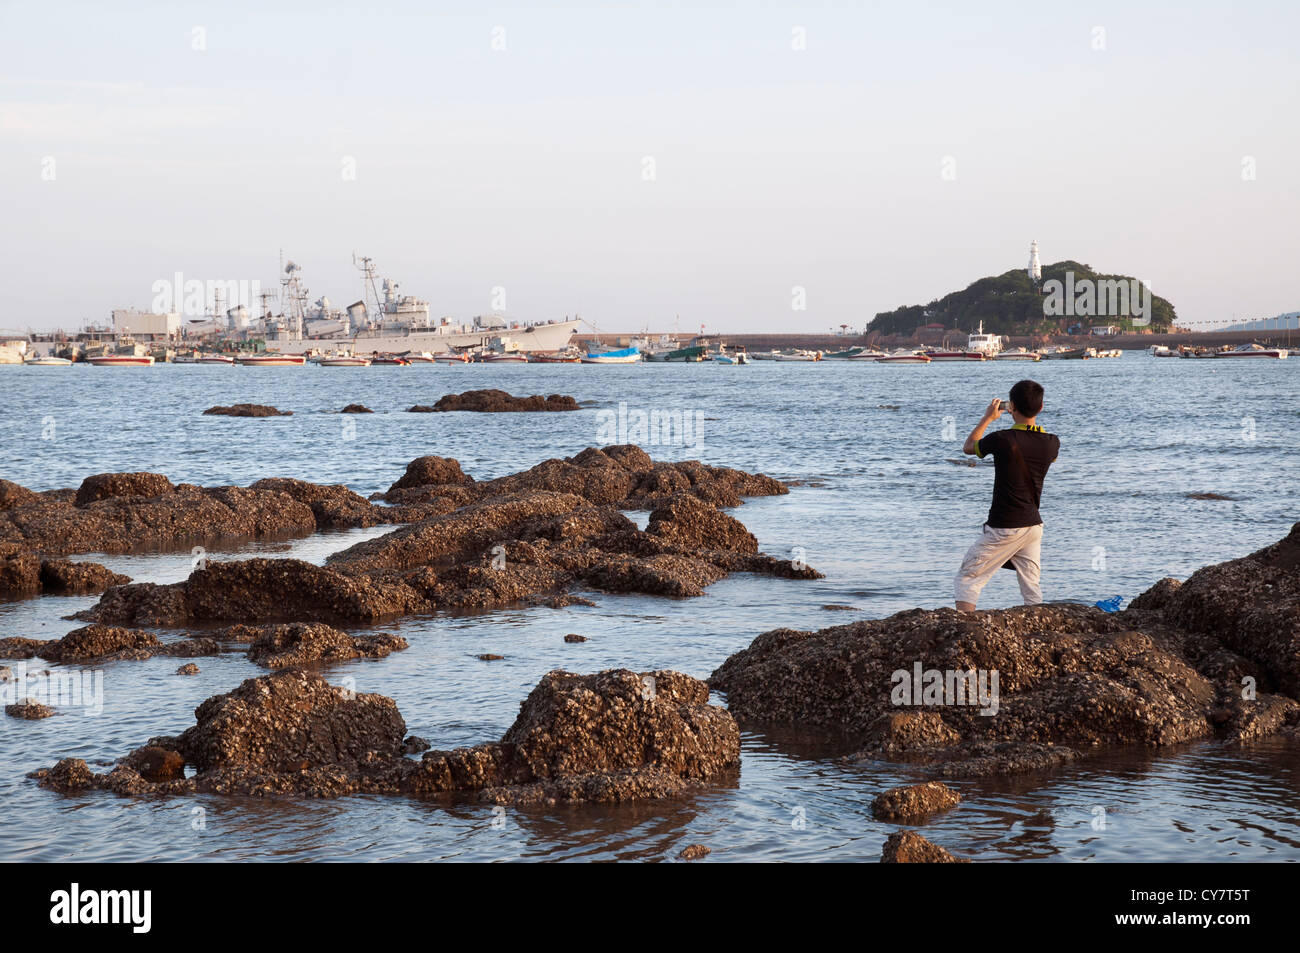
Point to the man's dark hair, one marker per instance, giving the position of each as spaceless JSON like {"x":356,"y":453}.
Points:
{"x":1027,"y":397}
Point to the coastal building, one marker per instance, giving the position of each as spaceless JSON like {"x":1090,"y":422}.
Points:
{"x":146,"y":325}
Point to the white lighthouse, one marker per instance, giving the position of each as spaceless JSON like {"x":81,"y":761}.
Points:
{"x":1035,"y":270}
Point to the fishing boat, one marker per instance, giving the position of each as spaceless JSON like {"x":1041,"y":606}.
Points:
{"x":868,"y":354}
{"x":451,"y":357}
{"x":1068,"y":353}
{"x":122,"y":360}
{"x":48,"y":360}
{"x":1254,"y":350}
{"x":1109,"y":352}
{"x":558,"y":357}
{"x":388,"y":360}
{"x":845,"y":355}
{"x":419,"y":357}
{"x":677,"y":355}
{"x":344,"y":361}
{"x":903,"y":356}
{"x":624,"y":355}
{"x":740,"y":358}
{"x":225,"y":359}
{"x":986,"y":344}
{"x":507,"y":357}
{"x":269,"y":359}
{"x":1161,"y":350}
{"x":1017,"y":354}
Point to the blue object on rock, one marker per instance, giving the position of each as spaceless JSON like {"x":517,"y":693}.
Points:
{"x":1110,"y":605}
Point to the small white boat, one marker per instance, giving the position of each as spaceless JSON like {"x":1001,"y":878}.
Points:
{"x":122,"y":360}
{"x":1161,"y":350}
{"x":272,"y":360}
{"x":797,"y":355}
{"x":215,"y":359}
{"x":868,"y":354}
{"x":49,"y":360}
{"x":904,"y":357}
{"x":419,"y":357}
{"x":448,"y":357}
{"x":344,"y":361}
{"x":512,"y":357}
{"x":1018,"y":354}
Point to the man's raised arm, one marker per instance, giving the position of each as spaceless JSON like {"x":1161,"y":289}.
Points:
{"x":992,"y":413}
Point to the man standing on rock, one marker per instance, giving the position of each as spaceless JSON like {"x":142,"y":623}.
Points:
{"x":1013,"y":534}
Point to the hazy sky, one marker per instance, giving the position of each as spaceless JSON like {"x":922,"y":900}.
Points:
{"x":128,"y":154}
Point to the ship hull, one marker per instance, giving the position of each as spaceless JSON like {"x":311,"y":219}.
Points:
{"x":537,"y":337}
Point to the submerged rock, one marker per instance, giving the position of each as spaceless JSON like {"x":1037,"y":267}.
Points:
{"x":300,"y":643}
{"x":247,"y":410}
{"x":914,"y":802}
{"x":356,"y":409}
{"x":498,"y":401}
{"x":29,"y":709}
{"x":189,"y":668}
{"x":613,"y":736}
{"x":693,"y":852}
{"x":909,"y":847}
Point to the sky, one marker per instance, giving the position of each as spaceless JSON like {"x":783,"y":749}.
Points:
{"x":762,"y":166}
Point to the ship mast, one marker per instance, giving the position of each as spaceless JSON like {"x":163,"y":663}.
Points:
{"x":368,"y":288}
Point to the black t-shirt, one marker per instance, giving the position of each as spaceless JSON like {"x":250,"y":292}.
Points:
{"x":1016,"y":487}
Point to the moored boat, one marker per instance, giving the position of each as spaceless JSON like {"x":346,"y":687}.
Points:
{"x":1254,"y":350}
{"x":958,"y":355}
{"x":270,"y":359}
{"x":1018,"y":354}
{"x":904,"y":356}
{"x":225,"y":359}
{"x":625,"y":355}
{"x":48,"y":360}
{"x":122,"y":360}
{"x":344,"y":361}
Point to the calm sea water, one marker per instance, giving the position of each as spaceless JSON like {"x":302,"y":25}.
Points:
{"x":884,"y":511}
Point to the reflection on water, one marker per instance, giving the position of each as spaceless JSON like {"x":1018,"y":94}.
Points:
{"x":882,"y":512}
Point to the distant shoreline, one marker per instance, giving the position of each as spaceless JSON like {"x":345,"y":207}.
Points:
{"x":838,"y":342}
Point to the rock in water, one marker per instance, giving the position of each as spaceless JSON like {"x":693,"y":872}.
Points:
{"x":247,"y":410}
{"x":613,"y":736}
{"x":498,"y":401}
{"x":914,"y":802}
{"x":909,"y":847}
{"x":300,"y":643}
{"x":29,"y":709}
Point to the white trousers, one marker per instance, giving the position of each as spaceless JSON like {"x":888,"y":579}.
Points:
{"x":1021,"y":545}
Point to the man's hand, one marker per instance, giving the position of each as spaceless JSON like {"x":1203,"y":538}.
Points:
{"x":991,"y":414}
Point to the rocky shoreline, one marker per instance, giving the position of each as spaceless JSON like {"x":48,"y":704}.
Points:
{"x":1217,"y":656}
